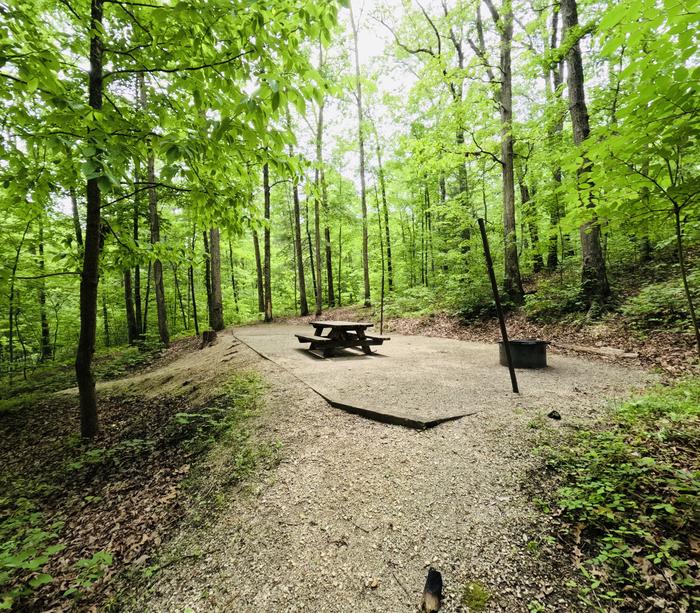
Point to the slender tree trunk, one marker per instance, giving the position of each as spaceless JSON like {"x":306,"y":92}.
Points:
{"x":132,"y":331}
{"x":148,"y":298}
{"x":46,"y":350}
{"x":317,"y":200}
{"x":529,"y":213}
{"x":105,"y":319}
{"x":312,"y":264}
{"x":594,"y":282}
{"x":138,"y":311}
{"x":179,"y":297}
{"x":233,"y":275}
{"x":385,"y":211}
{"x":684,"y":273}
{"x":554,"y":135}
{"x":154,"y":216}
{"x":217,"y":306}
{"x":12,"y":311}
{"x":512,"y":283}
{"x":340,"y":264}
{"x":207,"y":276}
{"x":190,"y":272}
{"x":89,"y":280}
{"x":303,"y":304}
{"x":76,"y":217}
{"x":161,"y":309}
{"x":361,"y":144}
{"x":317,"y":213}
{"x":258,"y":268}
{"x":267,"y":259}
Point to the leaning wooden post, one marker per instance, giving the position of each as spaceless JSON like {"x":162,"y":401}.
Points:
{"x":497,"y":300}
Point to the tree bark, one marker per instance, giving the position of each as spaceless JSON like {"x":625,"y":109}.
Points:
{"x":89,"y":279}
{"x":303,"y":304}
{"x":132,"y":331}
{"x":512,"y":283}
{"x":46,"y":349}
{"x":233,"y":275}
{"x":207,"y":276}
{"x":76,"y":217}
{"x":138,"y":311}
{"x":385,"y":211}
{"x":266,"y":245}
{"x":258,"y":269}
{"x":217,"y":308}
{"x":317,"y":212}
{"x":361,"y":144}
{"x":154,"y":219}
{"x":594,"y":283}
{"x":555,"y":212}
{"x":179,"y":298}
{"x":312,"y":264}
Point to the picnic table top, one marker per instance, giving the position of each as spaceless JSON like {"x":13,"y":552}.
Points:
{"x":343,"y":324}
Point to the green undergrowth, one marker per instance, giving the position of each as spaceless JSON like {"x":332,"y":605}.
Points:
{"x":44,"y":379}
{"x":629,"y":502}
{"x":202,"y":450}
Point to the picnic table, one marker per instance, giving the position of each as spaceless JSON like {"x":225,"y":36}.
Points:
{"x":340,"y":335}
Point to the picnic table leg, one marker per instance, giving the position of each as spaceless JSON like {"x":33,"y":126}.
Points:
{"x":365,"y":346}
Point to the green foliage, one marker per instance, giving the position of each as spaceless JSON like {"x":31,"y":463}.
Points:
{"x":90,"y":570}
{"x":27,"y":543}
{"x":663,"y":305}
{"x":475,"y":596}
{"x":631,"y":495}
{"x":554,"y":299}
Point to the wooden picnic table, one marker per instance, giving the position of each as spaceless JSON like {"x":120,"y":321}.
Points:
{"x":340,"y":335}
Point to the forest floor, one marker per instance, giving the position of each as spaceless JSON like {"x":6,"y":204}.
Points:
{"x":357,"y":511}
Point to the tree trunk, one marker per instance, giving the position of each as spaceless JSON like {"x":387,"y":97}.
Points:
{"x":555,"y":213}
{"x":217,"y":308}
{"x":317,"y":210}
{"x":385,"y":211}
{"x":266,"y":245}
{"x":233,"y":275}
{"x":138,"y":311}
{"x":190,"y":272}
{"x":512,"y":282}
{"x":684,"y":273}
{"x":594,"y":283}
{"x":529,"y":213}
{"x":303,"y":304}
{"x":361,"y":144}
{"x":132,"y":331}
{"x":340,"y":263}
{"x":154,"y":216}
{"x":89,"y":279}
{"x":179,"y":298}
{"x":76,"y":217}
{"x":46,"y":349}
{"x":312,"y":264}
{"x":105,"y":319}
{"x":207,"y":275}
{"x":258,"y":268}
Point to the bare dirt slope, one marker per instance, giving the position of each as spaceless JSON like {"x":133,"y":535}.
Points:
{"x":357,"y":510}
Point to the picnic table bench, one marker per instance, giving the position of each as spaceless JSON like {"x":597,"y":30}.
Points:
{"x":340,"y":335}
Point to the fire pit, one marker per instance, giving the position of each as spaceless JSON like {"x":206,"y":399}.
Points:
{"x":529,"y":353}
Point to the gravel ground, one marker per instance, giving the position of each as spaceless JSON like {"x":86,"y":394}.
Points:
{"x":357,"y":511}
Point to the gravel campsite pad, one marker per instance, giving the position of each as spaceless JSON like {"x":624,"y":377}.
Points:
{"x":358,"y":510}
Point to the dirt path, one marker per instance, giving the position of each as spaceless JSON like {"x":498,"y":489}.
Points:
{"x":357,"y":510}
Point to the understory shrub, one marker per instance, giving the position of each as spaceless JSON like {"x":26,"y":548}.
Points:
{"x":554,"y":299}
{"x":663,"y":305}
{"x":629,"y":498}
